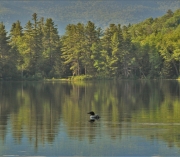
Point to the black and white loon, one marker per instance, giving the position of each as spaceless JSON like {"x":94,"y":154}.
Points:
{"x":93,"y":116}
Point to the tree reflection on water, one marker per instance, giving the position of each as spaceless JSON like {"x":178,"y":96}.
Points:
{"x":38,"y":110}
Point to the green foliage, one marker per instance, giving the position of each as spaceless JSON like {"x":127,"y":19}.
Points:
{"x":7,"y":63}
{"x":77,"y":47}
{"x":81,"y":77}
{"x":163,"y":43}
{"x":150,"y":49}
{"x":90,"y":77}
{"x":36,"y":49}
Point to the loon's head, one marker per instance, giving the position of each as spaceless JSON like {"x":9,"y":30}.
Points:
{"x":91,"y":113}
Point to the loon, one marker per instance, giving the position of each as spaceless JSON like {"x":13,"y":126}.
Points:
{"x":93,"y":116}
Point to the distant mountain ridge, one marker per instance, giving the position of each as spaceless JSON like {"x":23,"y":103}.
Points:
{"x":101,"y":12}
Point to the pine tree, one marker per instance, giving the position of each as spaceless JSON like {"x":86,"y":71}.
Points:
{"x":126,"y":54}
{"x":51,"y":46}
{"x":7,"y":67}
{"x":92,"y":36}
{"x":37,"y":45}
{"x":15,"y":36}
{"x":112,"y":44}
{"x":99,"y":59}
{"x":72,"y":47}
{"x":15,"y":32}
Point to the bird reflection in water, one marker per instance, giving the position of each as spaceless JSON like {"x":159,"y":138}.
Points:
{"x":92,"y":120}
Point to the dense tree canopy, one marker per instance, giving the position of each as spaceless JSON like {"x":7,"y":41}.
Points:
{"x":150,"y":49}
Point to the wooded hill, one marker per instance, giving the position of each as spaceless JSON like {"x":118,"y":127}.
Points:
{"x":100,"y":12}
{"x":150,"y":49}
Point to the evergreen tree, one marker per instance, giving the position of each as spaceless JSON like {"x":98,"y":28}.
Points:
{"x":27,"y":51}
{"x":37,"y":45}
{"x":51,"y":46}
{"x":112,"y":42}
{"x":127,"y":54}
{"x":72,"y":47}
{"x":99,"y":58}
{"x":15,"y":36}
{"x":15,"y":32}
{"x":92,"y":35}
{"x":7,"y":67}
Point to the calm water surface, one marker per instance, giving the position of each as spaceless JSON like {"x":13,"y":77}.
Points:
{"x":138,"y":118}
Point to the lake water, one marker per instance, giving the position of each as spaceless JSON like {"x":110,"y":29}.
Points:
{"x":138,"y":118}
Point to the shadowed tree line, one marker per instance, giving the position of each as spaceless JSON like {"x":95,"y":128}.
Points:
{"x":149,"y":49}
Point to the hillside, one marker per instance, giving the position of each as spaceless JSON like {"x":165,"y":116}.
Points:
{"x":101,"y":12}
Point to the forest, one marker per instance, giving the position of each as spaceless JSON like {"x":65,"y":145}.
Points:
{"x":146,"y":50}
